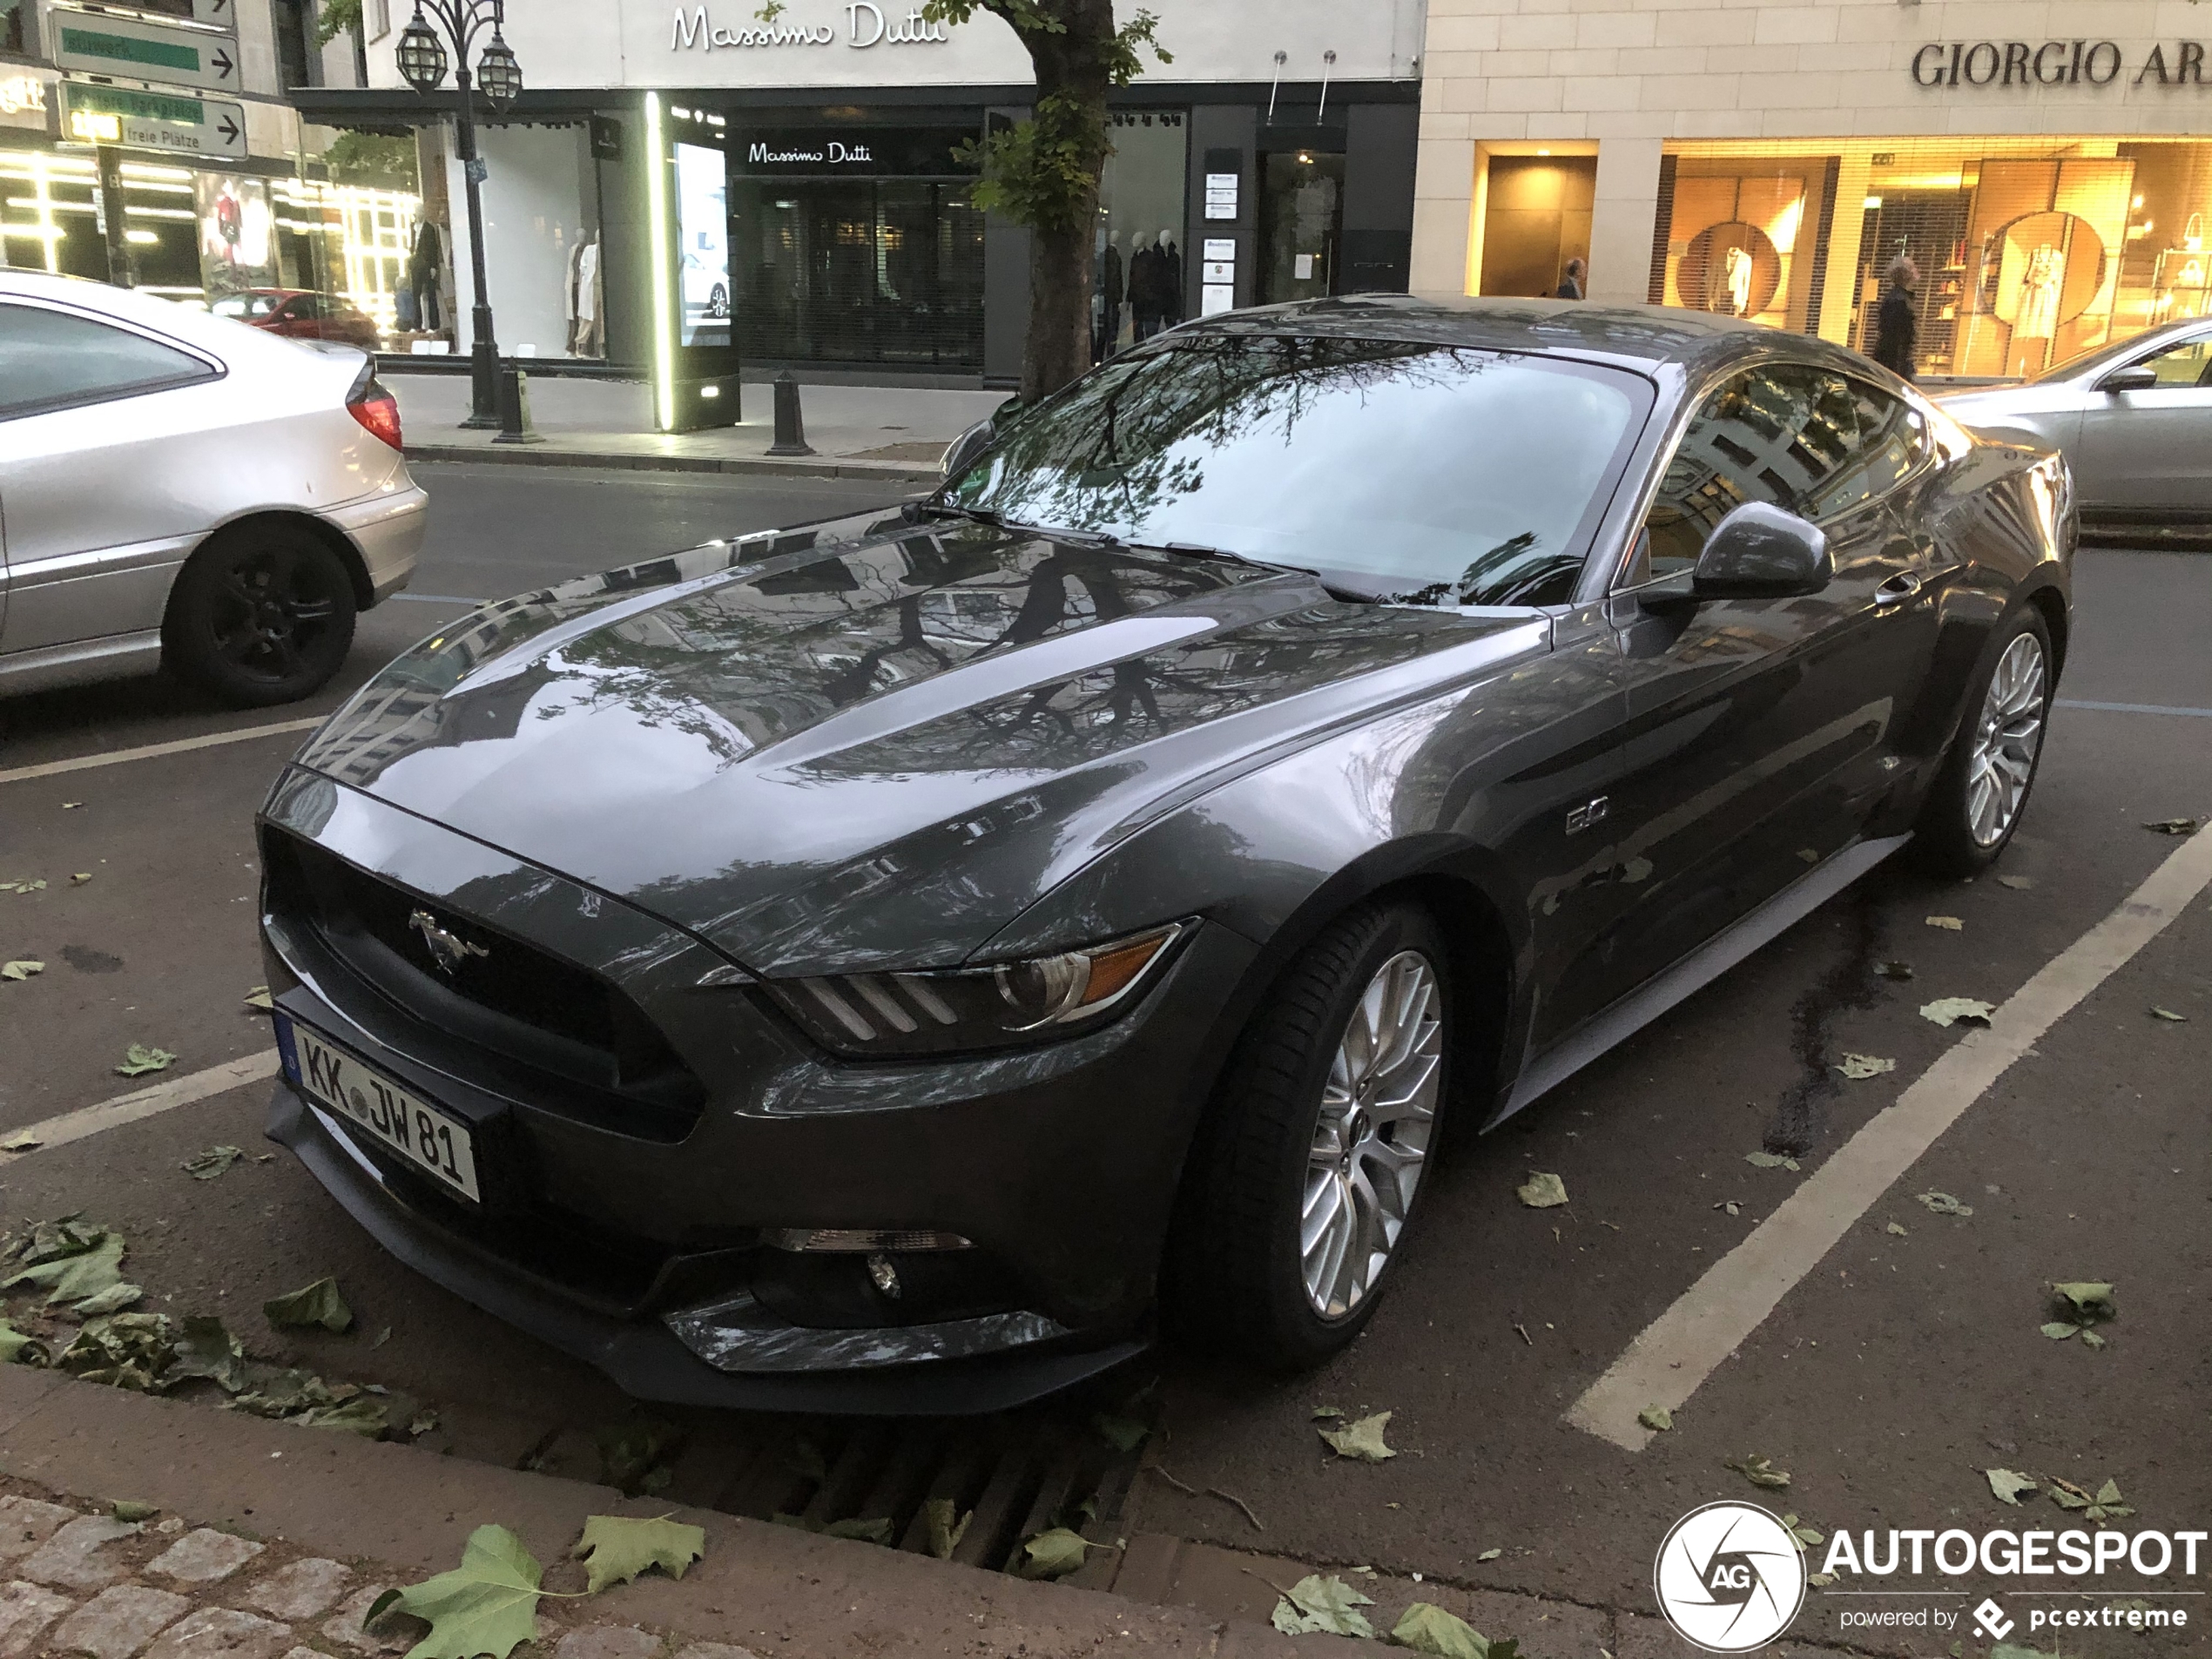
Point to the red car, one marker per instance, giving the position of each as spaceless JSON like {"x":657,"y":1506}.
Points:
{"x":300,"y":315}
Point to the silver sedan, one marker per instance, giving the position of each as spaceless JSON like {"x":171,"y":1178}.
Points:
{"x":2135,"y":421}
{"x":182,"y":490}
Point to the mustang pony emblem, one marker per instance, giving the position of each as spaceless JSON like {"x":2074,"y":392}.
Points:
{"x":448,"y":950}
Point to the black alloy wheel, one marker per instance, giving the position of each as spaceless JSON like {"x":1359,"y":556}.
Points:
{"x":260,"y":616}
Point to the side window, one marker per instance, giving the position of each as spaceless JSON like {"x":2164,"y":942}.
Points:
{"x":1786,"y":433}
{"x":50,"y":358}
{"x":2187,"y":364}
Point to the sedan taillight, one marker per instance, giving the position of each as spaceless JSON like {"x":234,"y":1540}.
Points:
{"x":376,"y":409}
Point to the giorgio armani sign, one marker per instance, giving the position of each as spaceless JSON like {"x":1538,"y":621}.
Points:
{"x":2056,"y":63}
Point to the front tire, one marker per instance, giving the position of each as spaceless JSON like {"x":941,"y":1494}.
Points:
{"x":1308,"y":1168}
{"x":1980,"y":795}
{"x":259,"y":614}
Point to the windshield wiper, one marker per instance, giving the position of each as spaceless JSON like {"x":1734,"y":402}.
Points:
{"x":1199,"y":551}
{"x":952,"y":509}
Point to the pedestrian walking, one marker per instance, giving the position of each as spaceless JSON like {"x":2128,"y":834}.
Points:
{"x":1897,"y":326}
{"x":1577,"y":271}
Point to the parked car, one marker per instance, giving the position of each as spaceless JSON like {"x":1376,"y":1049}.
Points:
{"x":298,"y":313}
{"x":2133,"y":419}
{"x":884,"y":965}
{"x":179,"y":489}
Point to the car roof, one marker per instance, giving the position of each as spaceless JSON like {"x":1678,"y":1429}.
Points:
{"x":229,"y":340}
{"x":1642,"y":338}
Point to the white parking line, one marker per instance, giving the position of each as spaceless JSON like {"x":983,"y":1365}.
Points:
{"x":2134,"y":708}
{"x":141,"y":1104}
{"x":1674,"y":1355}
{"x":181,"y":746}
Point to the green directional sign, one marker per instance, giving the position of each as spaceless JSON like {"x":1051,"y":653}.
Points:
{"x":170,"y":122}
{"x":101,"y":45}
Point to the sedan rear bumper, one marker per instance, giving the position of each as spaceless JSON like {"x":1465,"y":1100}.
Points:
{"x":388,"y":529}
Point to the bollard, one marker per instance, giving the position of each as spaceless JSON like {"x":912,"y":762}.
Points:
{"x":791,"y":429}
{"x":515,"y":407}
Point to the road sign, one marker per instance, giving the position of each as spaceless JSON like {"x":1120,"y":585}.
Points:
{"x":166,"y":121}
{"x":99,"y":44}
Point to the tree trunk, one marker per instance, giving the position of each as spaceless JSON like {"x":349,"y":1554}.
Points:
{"x":1073,"y":70}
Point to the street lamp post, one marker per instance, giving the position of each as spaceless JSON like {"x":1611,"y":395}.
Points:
{"x":422,"y":64}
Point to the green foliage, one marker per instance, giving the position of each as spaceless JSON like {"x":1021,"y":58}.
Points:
{"x":615,"y":1549}
{"x":336,"y":17}
{"x":1319,"y":1605}
{"x":318,"y":1304}
{"x":385,"y":161}
{"x":487,"y":1604}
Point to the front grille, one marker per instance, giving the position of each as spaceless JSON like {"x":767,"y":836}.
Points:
{"x":590,"y":1052}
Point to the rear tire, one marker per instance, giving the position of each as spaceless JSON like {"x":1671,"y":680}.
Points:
{"x":1981,"y":794}
{"x":1310,"y":1166}
{"x":259,"y":614}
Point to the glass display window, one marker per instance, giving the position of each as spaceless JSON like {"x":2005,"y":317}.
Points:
{"x":1138,"y":281}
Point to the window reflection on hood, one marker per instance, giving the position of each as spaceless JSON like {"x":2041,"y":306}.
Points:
{"x":1438,"y":474}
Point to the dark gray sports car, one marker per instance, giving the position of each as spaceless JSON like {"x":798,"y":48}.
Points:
{"x":900,"y":963}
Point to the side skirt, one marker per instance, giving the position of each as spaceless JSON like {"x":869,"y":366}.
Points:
{"x":1693,"y":972}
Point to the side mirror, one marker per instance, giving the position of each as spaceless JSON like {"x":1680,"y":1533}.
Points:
{"x":2137,"y":377}
{"x":962,"y":452}
{"x":1761,"y":552}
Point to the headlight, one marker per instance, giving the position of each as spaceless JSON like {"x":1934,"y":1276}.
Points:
{"x":998,"y":1006}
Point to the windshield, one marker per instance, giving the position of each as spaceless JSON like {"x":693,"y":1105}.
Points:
{"x":2089,"y":361}
{"x":1428,"y":472}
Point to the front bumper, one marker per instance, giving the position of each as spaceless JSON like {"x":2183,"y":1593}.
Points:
{"x":387,"y":528}
{"x":637,"y":1244}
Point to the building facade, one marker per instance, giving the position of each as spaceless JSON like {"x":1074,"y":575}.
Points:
{"x":223,"y":189}
{"x":689,"y":179}
{"x":2045,"y":164}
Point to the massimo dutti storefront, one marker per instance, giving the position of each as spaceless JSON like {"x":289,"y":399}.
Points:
{"x":2054,"y":188}
{"x":800,"y":191}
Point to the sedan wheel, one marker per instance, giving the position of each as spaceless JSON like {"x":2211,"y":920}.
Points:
{"x":1979,"y":796}
{"x":1305,"y":1176}
{"x":261,"y":616}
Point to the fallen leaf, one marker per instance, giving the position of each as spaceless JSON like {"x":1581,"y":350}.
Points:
{"x":137,"y":1060}
{"x":634,"y":1453}
{"x":20,"y":1347}
{"x":383,"y":1337}
{"x":1804,"y":1536}
{"x":1820,"y":1580}
{"x":2068,"y":1495}
{"x":1325,"y":1606}
{"x":1124,"y":1434}
{"x":71,"y":805}
{"x":365,"y":1416}
{"x":2059,"y":1330}
{"x":1899,"y":1231}
{"x":1770,"y":1161}
{"x":1489,"y":1556}
{"x":863,"y":1529}
{"x":2158,"y":1013}
{"x":258,"y":998}
{"x":207,"y":1349}
{"x":2173,"y":826}
{"x":79,"y":1274}
{"x":423,"y":1422}
{"x":1942,"y":1204}
{"x":1958,"y":1010}
{"x":617,"y":1549}
{"x":21,"y":969}
{"x":1761,"y":1471}
{"x":1426,"y":1627}
{"x":1857,"y":1066}
{"x":1541,"y":1191}
{"x":2008,"y":1485}
{"x":21,"y":1144}
{"x":1893,"y":970}
{"x":2017,"y":883}
{"x":318,"y":1304}
{"x":126,"y":1509}
{"x":1949,"y":924}
{"x":113,"y":1300}
{"x":1362,"y":1441}
{"x":1809,"y":854}
{"x":2091,"y":1340}
{"x":80,"y":878}
{"x":1658,"y":1418}
{"x":205,"y":1166}
{"x":1320,"y":1412}
{"x":1052,"y":1554}
{"x":1731,"y":1205}
{"x":2086,"y":1301}
{"x":942,"y":1526}
{"x":487,"y":1605}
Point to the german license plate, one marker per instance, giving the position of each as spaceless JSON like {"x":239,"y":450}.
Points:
{"x":428,"y":1137}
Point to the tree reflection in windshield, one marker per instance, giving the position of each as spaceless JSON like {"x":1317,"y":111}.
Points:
{"x":1455,"y":475}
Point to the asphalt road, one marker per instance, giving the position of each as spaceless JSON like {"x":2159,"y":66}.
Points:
{"x":1884,"y":1381}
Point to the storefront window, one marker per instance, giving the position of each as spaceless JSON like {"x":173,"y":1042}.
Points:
{"x":2028,"y":251}
{"x":15,"y":26}
{"x":858,"y":246}
{"x":1137,"y":283}
{"x":1301,"y":223}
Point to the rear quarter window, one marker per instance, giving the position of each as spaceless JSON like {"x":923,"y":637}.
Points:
{"x":51,"y":360}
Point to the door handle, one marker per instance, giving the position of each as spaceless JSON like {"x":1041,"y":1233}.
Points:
{"x":1897,"y":588}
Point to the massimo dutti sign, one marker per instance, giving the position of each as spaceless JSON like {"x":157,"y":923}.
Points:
{"x":2055,"y":63}
{"x":865,"y":25}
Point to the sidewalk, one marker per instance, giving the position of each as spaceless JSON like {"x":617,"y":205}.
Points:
{"x":890,"y":432}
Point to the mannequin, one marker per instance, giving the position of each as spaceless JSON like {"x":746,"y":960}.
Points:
{"x":425,"y":269}
{"x":1170,"y":280}
{"x":588,"y":298}
{"x":1106,"y":300}
{"x":1144,"y":284}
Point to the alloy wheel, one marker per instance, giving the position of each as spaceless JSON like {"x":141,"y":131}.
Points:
{"x":268,"y":610}
{"x":2007,"y":738}
{"x":1372,"y":1136}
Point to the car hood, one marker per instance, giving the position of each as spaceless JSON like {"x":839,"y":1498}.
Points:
{"x":876,"y":741}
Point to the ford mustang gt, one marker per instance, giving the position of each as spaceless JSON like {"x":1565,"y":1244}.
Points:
{"x":908,"y":961}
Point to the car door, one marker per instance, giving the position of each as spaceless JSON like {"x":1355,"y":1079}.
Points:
{"x":1758,"y":732}
{"x":94,"y":527}
{"x":2143,"y":453}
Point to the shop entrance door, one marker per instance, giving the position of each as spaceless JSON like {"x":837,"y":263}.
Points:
{"x":1301,"y":224}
